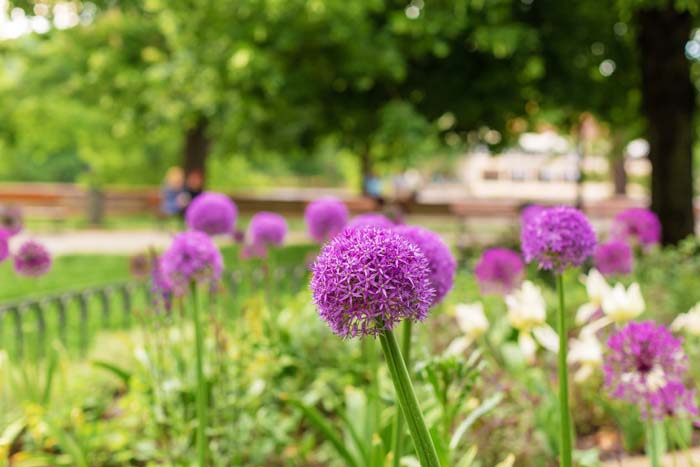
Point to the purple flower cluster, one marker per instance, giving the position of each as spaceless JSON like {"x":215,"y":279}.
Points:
{"x":11,"y":219}
{"x":440,"y":260}
{"x":368,"y":279}
{"x":499,"y":271}
{"x":212,"y":213}
{"x":637,"y":224}
{"x":613,"y":257}
{"x":192,"y":256}
{"x":371,"y":219}
{"x":645,"y":366}
{"x":161,"y":287}
{"x":32,"y":259}
{"x":558,"y":238}
{"x":325,"y":218}
{"x":530,"y":212}
{"x":4,"y":245}
{"x":265,"y":229}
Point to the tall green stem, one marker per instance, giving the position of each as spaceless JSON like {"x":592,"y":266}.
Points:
{"x":397,"y":434}
{"x":201,"y":383}
{"x":407,"y":400}
{"x":653,"y":450}
{"x":564,"y":414}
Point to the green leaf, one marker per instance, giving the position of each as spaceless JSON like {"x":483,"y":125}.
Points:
{"x":120,"y":373}
{"x":486,"y":406}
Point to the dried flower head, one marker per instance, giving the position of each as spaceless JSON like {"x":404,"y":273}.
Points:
{"x":32,"y":259}
{"x":643,"y":358}
{"x":368,"y":279}
{"x":140,"y":265}
{"x":441,"y":262}
{"x":371,"y":219}
{"x":325,"y":218}
{"x":192,"y":256}
{"x":212,"y":213}
{"x":637,"y":224}
{"x":558,"y":238}
{"x":613,"y":257}
{"x":499,"y":271}
{"x":11,"y":219}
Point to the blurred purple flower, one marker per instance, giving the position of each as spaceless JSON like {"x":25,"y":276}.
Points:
{"x":558,"y":238}
{"x":643,"y":359}
{"x":265,"y":229}
{"x":499,"y":271}
{"x":368,"y":279}
{"x":371,"y":219}
{"x":673,"y":400}
{"x":212,"y":213}
{"x":4,"y":244}
{"x":637,"y":224}
{"x":440,"y":260}
{"x":32,"y":259}
{"x":140,"y":265}
{"x":325,"y":218}
{"x":11,"y":219}
{"x":613,"y":257}
{"x":192,"y":256}
{"x":530,"y":212}
{"x":161,"y":287}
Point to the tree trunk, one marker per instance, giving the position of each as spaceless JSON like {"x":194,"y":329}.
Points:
{"x":667,"y":105}
{"x":196,"y":148}
{"x":617,"y":164}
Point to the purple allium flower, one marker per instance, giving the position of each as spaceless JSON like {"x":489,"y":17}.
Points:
{"x":161,"y":287}
{"x":4,"y":244}
{"x":673,"y":400}
{"x":192,"y":256}
{"x":32,"y":259}
{"x":529,"y":213}
{"x":638,"y":224}
{"x":557,"y":238}
{"x":643,"y":359}
{"x":499,"y":271}
{"x":267,"y":228}
{"x":368,"y":279}
{"x":442,"y":264}
{"x":325,"y":218}
{"x":212,"y":213}
{"x":371,"y":219}
{"x":11,"y":219}
{"x":613,"y":257}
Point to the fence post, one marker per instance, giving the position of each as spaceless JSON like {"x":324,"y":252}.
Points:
{"x":41,"y":329}
{"x":19,"y":335}
{"x":82,"y":303}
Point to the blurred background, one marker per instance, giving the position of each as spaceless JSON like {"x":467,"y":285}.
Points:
{"x":455,"y":113}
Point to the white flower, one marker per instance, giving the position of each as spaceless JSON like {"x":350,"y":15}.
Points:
{"x":596,"y":287}
{"x":527,"y":312}
{"x":622,"y":305}
{"x":526,"y":307}
{"x":688,"y":322}
{"x":472,"y":322}
{"x":587,"y":352}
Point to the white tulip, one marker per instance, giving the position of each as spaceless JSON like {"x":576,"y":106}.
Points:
{"x":526,"y":307}
{"x":622,"y":305}
{"x":587,"y":352}
{"x":688,"y":322}
{"x":471,"y":319}
{"x":596,"y":287}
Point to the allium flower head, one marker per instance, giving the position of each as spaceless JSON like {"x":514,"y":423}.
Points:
{"x":529,"y":213}
{"x":637,"y":224}
{"x":325,"y":218}
{"x":11,"y":219}
{"x":613,"y":257}
{"x":499,"y":271}
{"x":442,"y":264}
{"x":4,"y":245}
{"x":368,"y":279}
{"x":212,"y":213}
{"x":673,"y":400}
{"x":192,"y":256}
{"x":267,"y":228}
{"x":161,"y":287}
{"x":642,"y":359}
{"x":558,"y":238}
{"x":371,"y":219}
{"x":32,"y":259}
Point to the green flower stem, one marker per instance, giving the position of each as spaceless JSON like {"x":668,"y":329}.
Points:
{"x":397,"y":434}
{"x":407,"y":400}
{"x":653,"y":450}
{"x":201,"y":383}
{"x":564,"y":413}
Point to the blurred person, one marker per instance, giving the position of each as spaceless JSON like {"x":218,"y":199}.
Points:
{"x":194,"y":186}
{"x":373,"y":188}
{"x":413,"y":181}
{"x":173,"y":191}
